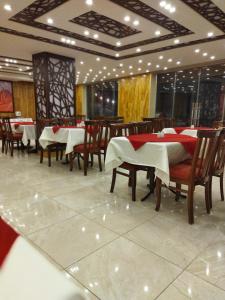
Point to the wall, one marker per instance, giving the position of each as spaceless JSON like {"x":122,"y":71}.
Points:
{"x":134,"y":97}
{"x":23,"y":99}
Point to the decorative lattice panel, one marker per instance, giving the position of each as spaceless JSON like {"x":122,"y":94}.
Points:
{"x":104,"y":24}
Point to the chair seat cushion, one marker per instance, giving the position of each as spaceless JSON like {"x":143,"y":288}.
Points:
{"x":180,"y":171}
{"x":81,"y":148}
{"x":16,"y":136}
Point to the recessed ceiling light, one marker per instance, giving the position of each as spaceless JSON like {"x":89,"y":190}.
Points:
{"x":73,"y":42}
{"x":89,"y":2}
{"x":86,"y":32}
{"x":140,"y":61}
{"x":108,"y":74}
{"x":30,"y":73}
{"x":170,"y":60}
{"x":138,"y":50}
{"x":162,"y":3}
{"x":139,"y":69}
{"x":98,"y":58}
{"x":100,"y":72}
{"x":68,"y":41}
{"x":7,"y":64}
{"x":212,"y":57}
{"x":147,"y":71}
{"x":20,"y":69}
{"x":118,"y":43}
{"x":161,"y":57}
{"x":50,"y":21}
{"x":81,"y":62}
{"x":114,"y":70}
{"x":136,"y":22}
{"x":63,"y":39}
{"x":122,"y":71}
{"x":178,"y":62}
{"x":131,"y":73}
{"x":7,"y":7}
{"x":149,"y":64}
{"x":90,"y":70}
{"x":205,"y":54}
{"x":165,"y":68}
{"x":130,"y":67}
{"x":104,"y":68}
{"x":157,"y":32}
{"x":197,"y":50}
{"x":176,"y":41}
{"x":210,"y":34}
{"x":117,"y":55}
{"x":121,"y":65}
{"x":127,"y":18}
{"x":117,"y":75}
{"x":157,"y":66}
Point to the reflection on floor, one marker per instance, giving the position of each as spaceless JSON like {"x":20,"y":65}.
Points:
{"x":113,"y":248}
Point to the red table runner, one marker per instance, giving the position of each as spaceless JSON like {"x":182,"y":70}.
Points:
{"x":180,"y":129}
{"x":187,"y":141}
{"x":7,"y":238}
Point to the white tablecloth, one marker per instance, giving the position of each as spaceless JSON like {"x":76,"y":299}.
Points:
{"x":28,"y":275}
{"x":158,"y":155}
{"x":21,"y":120}
{"x":70,"y":136}
{"x":29,"y":132}
{"x":191,"y":132}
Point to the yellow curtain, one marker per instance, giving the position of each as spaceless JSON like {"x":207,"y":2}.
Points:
{"x":79,"y":99}
{"x":133,"y":97}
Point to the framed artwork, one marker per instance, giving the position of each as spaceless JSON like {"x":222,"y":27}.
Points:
{"x":6,"y":96}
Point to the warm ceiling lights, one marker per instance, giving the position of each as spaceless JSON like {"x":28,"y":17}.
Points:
{"x":117,"y":55}
{"x":197,"y":50}
{"x":86,"y":32}
{"x":178,"y":62}
{"x":68,"y":41}
{"x":176,"y":41}
{"x":89,"y":2}
{"x":157,"y":66}
{"x":157,"y":32}
{"x":127,"y":18}
{"x":95,"y":36}
{"x":167,"y":6}
{"x":212,"y":57}
{"x":136,"y":22}
{"x":140,"y":61}
{"x":130,"y":67}
{"x":98,"y":58}
{"x":170,"y":60}
{"x":118,"y":43}
{"x":104,"y":68}
{"x":138,"y":50}
{"x":149,"y":64}
{"x":205,"y":54}
{"x":81,"y":62}
{"x":7,"y":7}
{"x":121,"y":65}
{"x":160,"y":57}
{"x":210,"y":34}
{"x":50,"y":21}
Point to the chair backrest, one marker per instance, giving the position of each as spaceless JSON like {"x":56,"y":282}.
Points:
{"x":68,"y":121}
{"x":204,"y":155}
{"x":81,"y":117}
{"x":42,"y":123}
{"x":117,"y":130}
{"x":7,"y":126}
{"x":2,"y":129}
{"x":218,"y":124}
{"x":218,"y":165}
{"x":160,"y":123}
{"x":143,"y":127}
{"x":93,"y":135}
{"x":167,"y":123}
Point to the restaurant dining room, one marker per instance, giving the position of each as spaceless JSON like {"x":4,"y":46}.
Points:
{"x":112,"y":149}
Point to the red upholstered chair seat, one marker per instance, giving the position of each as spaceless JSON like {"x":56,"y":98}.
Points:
{"x":16,"y":136}
{"x":182,"y":172}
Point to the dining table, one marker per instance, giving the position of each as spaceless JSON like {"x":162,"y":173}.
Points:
{"x":28,"y":129}
{"x":191,"y":131}
{"x":152,"y":150}
{"x":69,"y":135}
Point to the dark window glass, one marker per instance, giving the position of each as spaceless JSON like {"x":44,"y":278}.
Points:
{"x":102,"y":99}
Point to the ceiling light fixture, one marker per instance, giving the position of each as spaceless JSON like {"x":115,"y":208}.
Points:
{"x":140,"y":61}
{"x":176,"y":41}
{"x":210,"y":34}
{"x":127,"y":18}
{"x":121,"y":65}
{"x":197,"y":50}
{"x":86,"y":32}
{"x":157,"y":32}
{"x":118,"y":43}
{"x":136,"y":22}
{"x":81,"y":62}
{"x":160,"y":57}
{"x":178,"y":62}
{"x":205,"y":54}
{"x":89,"y":2}
{"x":149,"y":64}
{"x":212,"y":57}
{"x":50,"y":21}
{"x":138,"y":50}
{"x":170,"y":60}
{"x":7,"y":7}
{"x":117,"y":55}
{"x":95,"y":36}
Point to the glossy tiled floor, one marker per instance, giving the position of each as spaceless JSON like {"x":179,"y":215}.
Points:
{"x":113,"y":248}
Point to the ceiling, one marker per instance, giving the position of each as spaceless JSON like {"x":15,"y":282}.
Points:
{"x":111,"y":38}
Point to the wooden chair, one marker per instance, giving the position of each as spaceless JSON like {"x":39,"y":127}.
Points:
{"x":218,"y":124}
{"x":90,"y":147}
{"x":143,"y":127}
{"x":81,"y":117}
{"x":2,"y":135}
{"x":167,"y":123}
{"x":117,"y":130}
{"x":11,"y":138}
{"x":197,"y":173}
{"x":55,"y":147}
{"x":68,"y":121}
{"x":218,"y":165}
{"x":156,"y":123}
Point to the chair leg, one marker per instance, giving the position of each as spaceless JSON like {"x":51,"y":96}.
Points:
{"x":6,"y":147}
{"x":113,"y":181}
{"x":207,"y":197}
{"x":210,"y":193}
{"x":100,"y":162}
{"x":130,"y":179}
{"x":57,"y":155}
{"x":134,"y":183}
{"x":78,"y":160}
{"x":12,"y":148}
{"x":178,"y":189}
{"x":190,"y":204}
{"x":158,"y":193}
{"x":71,"y":161}
{"x":49,"y":158}
{"x":85,"y":163}
{"x":151,"y":172}
{"x":41,"y":156}
{"x":61,"y":154}
{"x":92,"y":159}
{"x":221,"y":187}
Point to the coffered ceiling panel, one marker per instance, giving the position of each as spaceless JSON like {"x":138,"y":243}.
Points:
{"x":113,"y":38}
